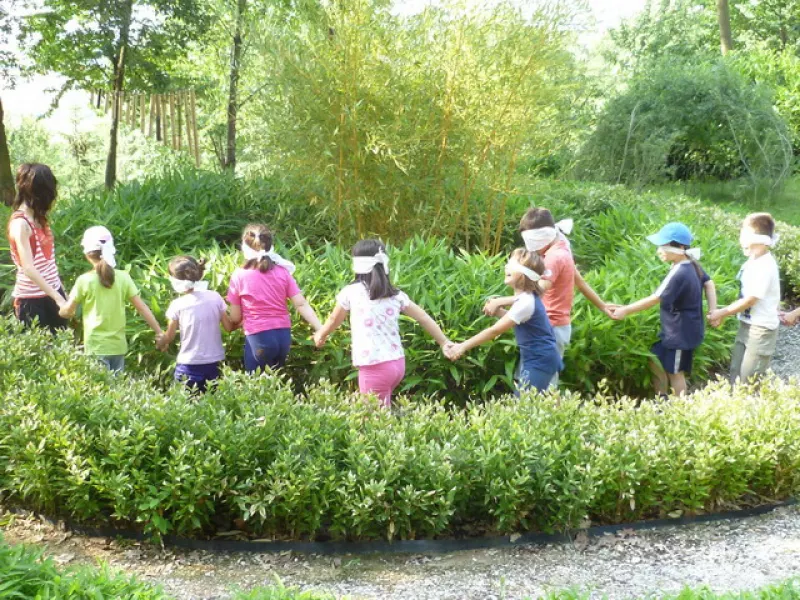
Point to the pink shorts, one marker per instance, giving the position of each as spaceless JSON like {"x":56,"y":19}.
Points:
{"x":381,"y":379}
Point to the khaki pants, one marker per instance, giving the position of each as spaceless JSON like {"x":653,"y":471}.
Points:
{"x":752,"y":351}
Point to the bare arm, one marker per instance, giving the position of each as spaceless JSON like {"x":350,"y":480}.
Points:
{"x":716,"y":317}
{"x":234,"y":317}
{"x":428,"y":324}
{"x":711,"y":295}
{"x":494,"y":306}
{"x":638,"y":306}
{"x":337,"y":317}
{"x":67,"y":310}
{"x":305,"y":310}
{"x":21,"y":233}
{"x":166,"y":338}
{"x":585,"y":289}
{"x":146,"y":314}
{"x":488,"y":334}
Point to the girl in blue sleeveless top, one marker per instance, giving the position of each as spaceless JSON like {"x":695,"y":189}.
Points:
{"x":539,"y":357}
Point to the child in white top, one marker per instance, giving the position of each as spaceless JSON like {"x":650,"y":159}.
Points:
{"x":375,"y":306}
{"x":759,"y":296}
{"x":197,"y":312}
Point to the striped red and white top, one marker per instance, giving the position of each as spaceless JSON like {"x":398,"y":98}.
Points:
{"x":44,"y":259}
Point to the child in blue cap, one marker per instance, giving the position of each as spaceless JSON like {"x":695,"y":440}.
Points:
{"x":681,"y":298}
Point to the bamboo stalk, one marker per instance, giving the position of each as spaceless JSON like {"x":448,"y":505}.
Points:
{"x":172,"y":120}
{"x":194,"y":130}
{"x":107,"y":105}
{"x":142,"y":116}
{"x":187,"y":111}
{"x":164,"y":124}
{"x":179,"y":125}
{"x":152,"y":115}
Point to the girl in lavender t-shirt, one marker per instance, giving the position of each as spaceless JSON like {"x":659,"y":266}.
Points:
{"x":197,"y":312}
{"x":257,"y":293}
{"x":375,"y":307}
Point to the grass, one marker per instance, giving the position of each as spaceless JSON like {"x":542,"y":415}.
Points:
{"x":740,"y":198}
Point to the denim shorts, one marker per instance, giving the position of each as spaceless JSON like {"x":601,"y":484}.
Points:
{"x":197,"y":376}
{"x":268,"y":348}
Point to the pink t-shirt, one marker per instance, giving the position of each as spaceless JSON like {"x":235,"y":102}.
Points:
{"x":558,"y":299}
{"x":262,"y":297}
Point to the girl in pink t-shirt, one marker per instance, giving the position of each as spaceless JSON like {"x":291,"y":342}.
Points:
{"x":375,"y":306}
{"x":257,"y":294}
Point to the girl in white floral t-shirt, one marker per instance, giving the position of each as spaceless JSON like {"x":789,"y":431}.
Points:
{"x":375,"y":306}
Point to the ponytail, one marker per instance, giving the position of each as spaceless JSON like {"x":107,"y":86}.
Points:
{"x":697,"y":268}
{"x":258,"y":237}
{"x":104,"y":270}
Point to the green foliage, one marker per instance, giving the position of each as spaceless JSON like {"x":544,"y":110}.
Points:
{"x":785,"y":590}
{"x":76,"y":440}
{"x":403,"y":121}
{"x":680,"y":121}
{"x":25,"y":573}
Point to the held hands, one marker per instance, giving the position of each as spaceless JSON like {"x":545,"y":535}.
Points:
{"x":453,"y":351}
{"x":790,"y":319}
{"x":320,"y":338}
{"x":161,"y":342}
{"x":618,"y":313}
{"x":492,"y":306}
{"x":716,"y":317}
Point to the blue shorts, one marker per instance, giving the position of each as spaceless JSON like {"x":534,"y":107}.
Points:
{"x":528,"y":378}
{"x":197,"y":376}
{"x":673,"y":360}
{"x":268,"y":348}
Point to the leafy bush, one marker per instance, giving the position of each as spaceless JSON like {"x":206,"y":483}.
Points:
{"x":75,"y":440}
{"x":25,"y":573}
{"x":678,"y":121}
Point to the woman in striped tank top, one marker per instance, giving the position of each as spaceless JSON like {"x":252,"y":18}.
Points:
{"x":38,"y":293}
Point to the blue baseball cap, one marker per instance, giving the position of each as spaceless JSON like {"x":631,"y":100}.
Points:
{"x":672,"y":232}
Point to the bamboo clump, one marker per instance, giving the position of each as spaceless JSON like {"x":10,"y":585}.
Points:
{"x":171,"y":118}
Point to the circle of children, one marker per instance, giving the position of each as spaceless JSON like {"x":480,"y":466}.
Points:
{"x":542,"y":276}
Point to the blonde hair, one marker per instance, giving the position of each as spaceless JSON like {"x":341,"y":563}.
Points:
{"x":534,"y":262}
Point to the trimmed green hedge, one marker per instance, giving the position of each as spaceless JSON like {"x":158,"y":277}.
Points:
{"x":76,"y":441}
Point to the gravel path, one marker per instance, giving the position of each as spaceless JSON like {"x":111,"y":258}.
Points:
{"x":727,"y":555}
{"x":786,"y":362}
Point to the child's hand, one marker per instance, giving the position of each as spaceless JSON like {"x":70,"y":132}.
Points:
{"x":491,"y":307}
{"x":319,"y":338}
{"x":608,"y":310}
{"x":454,"y":351}
{"x":618,"y":313}
{"x":789,"y":319}
{"x":716,"y":317}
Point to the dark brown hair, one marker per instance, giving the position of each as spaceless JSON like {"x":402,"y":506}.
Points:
{"x":187,"y":268}
{"x":534,"y":262}
{"x":258,"y":237}
{"x":104,"y":270}
{"x":762,"y":223}
{"x":377,"y":281}
{"x":536,"y":218}
{"x":36,"y":187}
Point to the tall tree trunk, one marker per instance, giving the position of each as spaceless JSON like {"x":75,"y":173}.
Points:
{"x":233,"y":90}
{"x":724,"y":17}
{"x":7,"y":190}
{"x":119,"y":79}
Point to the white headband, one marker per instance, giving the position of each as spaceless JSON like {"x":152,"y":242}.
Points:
{"x":363,"y":265}
{"x":99,"y":238}
{"x":748,"y":239}
{"x":536,"y":239}
{"x":250,"y":254}
{"x":184,"y":285}
{"x":694,"y":253}
{"x":515,"y":267}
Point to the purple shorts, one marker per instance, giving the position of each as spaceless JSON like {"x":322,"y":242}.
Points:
{"x":197,"y":376}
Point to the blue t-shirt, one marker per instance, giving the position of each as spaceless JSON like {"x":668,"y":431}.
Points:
{"x":681,"y":293}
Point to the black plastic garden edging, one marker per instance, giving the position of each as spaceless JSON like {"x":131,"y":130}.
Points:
{"x":420,"y":546}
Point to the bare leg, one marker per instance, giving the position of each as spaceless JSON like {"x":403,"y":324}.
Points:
{"x":659,"y":377}
{"x":678,"y":383}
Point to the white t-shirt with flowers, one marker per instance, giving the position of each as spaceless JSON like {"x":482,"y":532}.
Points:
{"x":374,"y":324}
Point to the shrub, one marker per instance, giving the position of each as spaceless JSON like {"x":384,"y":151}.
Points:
{"x":679,"y":121}
{"x":76,"y":441}
{"x":25,"y":573}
